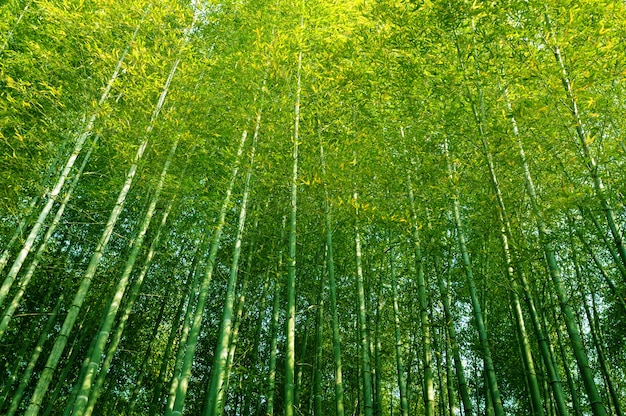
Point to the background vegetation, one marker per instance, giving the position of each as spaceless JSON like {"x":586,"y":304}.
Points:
{"x":257,"y":207}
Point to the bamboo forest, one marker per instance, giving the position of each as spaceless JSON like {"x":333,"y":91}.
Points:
{"x":312,"y":207}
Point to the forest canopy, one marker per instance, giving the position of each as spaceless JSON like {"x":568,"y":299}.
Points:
{"x":319,"y":207}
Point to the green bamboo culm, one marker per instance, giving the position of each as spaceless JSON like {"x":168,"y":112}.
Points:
{"x":219,"y":371}
{"x":182,"y":377}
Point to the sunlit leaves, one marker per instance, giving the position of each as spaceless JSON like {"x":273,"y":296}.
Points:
{"x":382,"y":88}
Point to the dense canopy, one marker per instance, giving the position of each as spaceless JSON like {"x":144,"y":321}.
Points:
{"x":251,"y":207}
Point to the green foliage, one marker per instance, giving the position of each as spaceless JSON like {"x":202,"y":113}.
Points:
{"x":384,"y":84}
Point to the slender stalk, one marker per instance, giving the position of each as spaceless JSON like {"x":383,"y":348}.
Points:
{"x":555,"y":273}
{"x":333,"y":290}
{"x":17,"y":22}
{"x":23,"y":283}
{"x":505,"y":236}
{"x":613,"y":288}
{"x":271,"y":385}
{"x":56,"y":190}
{"x":81,"y":294}
{"x":478,"y":314}
{"x":299,"y":364}
{"x":404,"y":404}
{"x":377,"y":347}
{"x":138,"y":383}
{"x":452,"y":400}
{"x":317,"y":367}
{"x":239,"y":319}
{"x":251,"y":381}
{"x":96,"y":391}
{"x":614,"y":390}
{"x":584,"y":140}
{"x":290,"y":358}
{"x":438,"y":365}
{"x":194,"y":332}
{"x":540,"y":329}
{"x":178,"y":326}
{"x":4,"y":259}
{"x":30,"y":367}
{"x":362,"y":319}
{"x":568,"y":374}
{"x":587,"y":213}
{"x":178,"y":315}
{"x":182,"y":342}
{"x":429,"y":390}
{"x":478,"y":111}
{"x":468,"y":408}
{"x":224,"y":339}
{"x":111,"y":313}
{"x":233,"y":345}
{"x":72,"y":356}
{"x":18,"y":361}
{"x":595,"y":336}
{"x":271,"y":378}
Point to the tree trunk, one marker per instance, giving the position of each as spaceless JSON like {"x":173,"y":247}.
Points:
{"x":194,"y":331}
{"x":224,"y":339}
{"x":17,"y":22}
{"x":555,"y":273}
{"x":155,"y":403}
{"x":598,"y":185}
{"x":429,"y":390}
{"x":271,"y":379}
{"x":593,"y":329}
{"x":333,"y":291}
{"x":56,"y":190}
{"x":111,"y":313}
{"x":404,"y":404}
{"x":478,"y":315}
{"x":363,"y":331}
{"x":458,"y":363}
{"x":30,"y":367}
{"x":290,"y":355}
{"x":23,"y":283}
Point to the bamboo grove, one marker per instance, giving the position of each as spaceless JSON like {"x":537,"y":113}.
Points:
{"x":381,"y":207}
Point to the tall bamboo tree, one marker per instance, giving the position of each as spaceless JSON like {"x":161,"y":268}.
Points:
{"x":182,"y":378}
{"x":224,"y":341}
{"x":490,"y":375}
